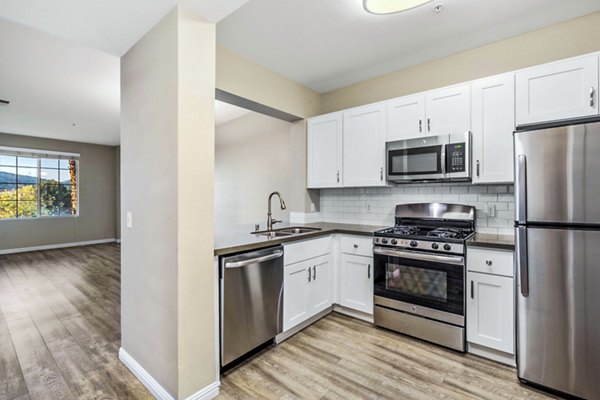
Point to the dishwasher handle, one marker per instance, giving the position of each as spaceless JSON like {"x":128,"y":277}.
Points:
{"x":243,"y":263}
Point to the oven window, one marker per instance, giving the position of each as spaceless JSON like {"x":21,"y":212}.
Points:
{"x":431,"y":284}
{"x":421,"y":282}
{"x":418,"y":161}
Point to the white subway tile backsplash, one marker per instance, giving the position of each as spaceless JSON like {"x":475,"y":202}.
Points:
{"x":375,"y":206}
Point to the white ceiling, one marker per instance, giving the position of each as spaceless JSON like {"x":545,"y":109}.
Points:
{"x":112,"y":26}
{"x":225,"y":112}
{"x":329,"y":44}
{"x":53,"y":83}
{"x":59,"y":62}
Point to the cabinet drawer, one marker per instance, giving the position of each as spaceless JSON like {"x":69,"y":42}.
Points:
{"x":358,"y":245}
{"x":489,"y":261}
{"x":306,"y":249}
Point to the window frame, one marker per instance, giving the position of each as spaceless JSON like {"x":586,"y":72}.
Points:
{"x":39,"y":155}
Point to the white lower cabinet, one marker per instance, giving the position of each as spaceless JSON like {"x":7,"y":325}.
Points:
{"x":491,"y":301}
{"x":320,"y":295}
{"x":296,"y":294}
{"x":490,"y":315}
{"x":307,"y":290}
{"x":356,"y":282}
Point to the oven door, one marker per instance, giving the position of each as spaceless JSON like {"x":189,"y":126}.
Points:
{"x":417,"y":159}
{"x":425,"y":284}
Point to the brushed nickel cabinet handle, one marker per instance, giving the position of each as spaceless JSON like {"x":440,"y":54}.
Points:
{"x":592,"y":92}
{"x":338,"y":176}
{"x":428,"y":124}
{"x":488,"y":262}
{"x":369,"y":271}
{"x":478,"y":168}
{"x":309,"y":276}
{"x":314,"y":272}
{"x":420,"y":125}
{"x":381,"y":173}
{"x":472,"y":290}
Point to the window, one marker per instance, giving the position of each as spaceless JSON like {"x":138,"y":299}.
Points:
{"x":36,"y":184}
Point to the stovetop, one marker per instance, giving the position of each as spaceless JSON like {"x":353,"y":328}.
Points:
{"x":439,"y":233}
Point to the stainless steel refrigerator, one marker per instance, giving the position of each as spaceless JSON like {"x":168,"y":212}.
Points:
{"x":557,"y":190}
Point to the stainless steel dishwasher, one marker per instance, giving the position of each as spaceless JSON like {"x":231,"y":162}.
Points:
{"x":251,"y":301}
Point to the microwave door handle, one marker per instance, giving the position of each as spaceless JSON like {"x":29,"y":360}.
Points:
{"x":444,"y":160}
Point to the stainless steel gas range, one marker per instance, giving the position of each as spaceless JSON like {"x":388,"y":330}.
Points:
{"x":419,"y":272}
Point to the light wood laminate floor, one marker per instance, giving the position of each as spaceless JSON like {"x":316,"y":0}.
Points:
{"x":60,"y":326}
{"x":60,"y":336}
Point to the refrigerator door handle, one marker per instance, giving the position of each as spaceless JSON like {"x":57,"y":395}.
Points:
{"x":522,"y":266}
{"x":521,"y":188}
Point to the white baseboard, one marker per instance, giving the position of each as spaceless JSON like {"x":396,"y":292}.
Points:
{"x":353,"y":313}
{"x":160,"y":393}
{"x":492,"y":354}
{"x":57,"y":246}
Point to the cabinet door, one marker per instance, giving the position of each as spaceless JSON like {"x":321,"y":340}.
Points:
{"x":364,"y":146}
{"x":493,"y":117}
{"x":490,"y":311}
{"x":296,"y":293}
{"x":324,"y":151}
{"x":557,"y":91}
{"x":448,"y":110}
{"x":356,"y":283}
{"x":321,"y":285}
{"x":405,"y":117}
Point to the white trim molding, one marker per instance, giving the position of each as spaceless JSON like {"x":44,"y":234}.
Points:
{"x":57,"y":246}
{"x":160,"y":393}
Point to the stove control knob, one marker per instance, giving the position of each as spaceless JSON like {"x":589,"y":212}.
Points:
{"x":447,"y":247}
{"x":413,"y":243}
{"x":435,"y":246}
{"x":384,"y":241}
{"x":394,"y":241}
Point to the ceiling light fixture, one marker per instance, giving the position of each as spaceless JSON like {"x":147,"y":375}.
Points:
{"x":391,"y":6}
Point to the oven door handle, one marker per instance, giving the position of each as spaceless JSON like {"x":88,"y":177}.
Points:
{"x":454,"y":260}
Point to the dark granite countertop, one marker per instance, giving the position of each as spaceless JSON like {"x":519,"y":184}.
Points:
{"x":238,"y":238}
{"x":492,"y":241}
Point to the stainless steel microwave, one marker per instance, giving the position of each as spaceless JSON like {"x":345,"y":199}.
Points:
{"x":430,"y":158}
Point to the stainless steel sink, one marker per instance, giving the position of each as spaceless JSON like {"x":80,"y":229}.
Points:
{"x":297,"y":230}
{"x":272,"y":233}
{"x":293,"y":230}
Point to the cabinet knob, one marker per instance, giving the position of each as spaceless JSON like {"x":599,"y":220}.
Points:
{"x":355,"y":246}
{"x":488,"y":262}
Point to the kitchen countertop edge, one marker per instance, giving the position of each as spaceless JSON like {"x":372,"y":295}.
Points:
{"x":326,"y":229}
{"x":492,"y":241}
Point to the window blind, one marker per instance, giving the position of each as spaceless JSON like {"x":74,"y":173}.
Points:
{"x":35,"y":153}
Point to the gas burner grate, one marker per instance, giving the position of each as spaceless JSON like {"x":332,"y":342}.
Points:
{"x":448,"y":233}
{"x":405,"y":230}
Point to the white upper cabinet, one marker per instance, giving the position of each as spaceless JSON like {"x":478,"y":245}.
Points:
{"x":493,"y":123}
{"x":364,"y":146}
{"x":324,"y":151}
{"x":556,"y":91}
{"x":405,"y":117}
{"x":448,"y":110}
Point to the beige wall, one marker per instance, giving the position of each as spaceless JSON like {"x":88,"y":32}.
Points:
{"x":167,"y":153}
{"x":256,"y":155}
{"x":97,"y":199}
{"x":564,"y":40}
{"x":247,"y":79}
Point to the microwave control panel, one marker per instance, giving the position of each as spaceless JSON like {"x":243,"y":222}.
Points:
{"x":456,"y":159}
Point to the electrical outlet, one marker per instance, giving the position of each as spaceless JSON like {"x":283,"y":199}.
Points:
{"x":491,"y":210}
{"x":129,"y":221}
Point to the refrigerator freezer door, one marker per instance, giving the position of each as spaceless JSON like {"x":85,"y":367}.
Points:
{"x":558,"y":341}
{"x":557,"y":174}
